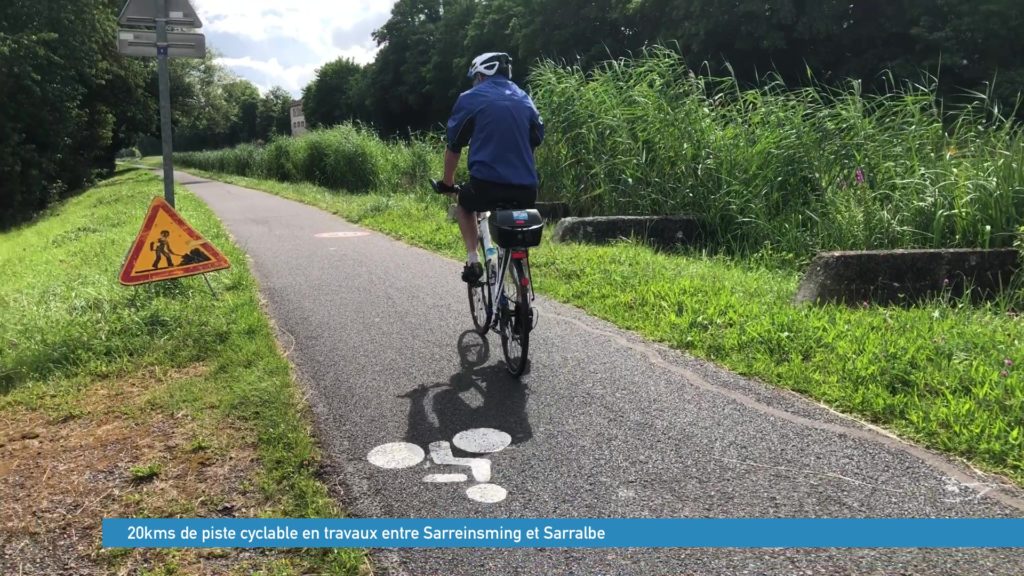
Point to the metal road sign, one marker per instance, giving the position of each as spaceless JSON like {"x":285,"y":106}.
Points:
{"x":145,"y":13}
{"x":156,"y":41}
{"x":143,"y":43}
{"x":167,"y":247}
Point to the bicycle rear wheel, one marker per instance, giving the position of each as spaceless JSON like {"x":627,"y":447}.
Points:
{"x":480,"y":303}
{"x":516,"y":320}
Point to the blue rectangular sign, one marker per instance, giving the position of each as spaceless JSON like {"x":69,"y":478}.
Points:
{"x":563,"y":533}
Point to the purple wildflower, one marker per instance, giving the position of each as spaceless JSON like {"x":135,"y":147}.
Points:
{"x":860,"y":176}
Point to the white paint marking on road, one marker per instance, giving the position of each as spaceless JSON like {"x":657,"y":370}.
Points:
{"x":482,"y":440}
{"x":446,"y":478}
{"x":342,"y":234}
{"x":441,"y":452}
{"x":487,"y":493}
{"x":396,"y":455}
{"x":399,"y":455}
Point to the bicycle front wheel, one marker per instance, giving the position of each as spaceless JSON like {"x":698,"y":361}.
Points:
{"x":516,"y":319}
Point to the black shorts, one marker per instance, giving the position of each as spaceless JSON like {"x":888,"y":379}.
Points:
{"x":484,"y":196}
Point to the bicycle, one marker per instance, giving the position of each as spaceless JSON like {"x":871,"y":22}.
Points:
{"x":507,"y":275}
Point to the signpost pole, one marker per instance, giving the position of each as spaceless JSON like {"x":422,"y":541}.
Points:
{"x":165,"y":99}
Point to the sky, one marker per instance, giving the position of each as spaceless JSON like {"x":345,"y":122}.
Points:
{"x":283,"y":42}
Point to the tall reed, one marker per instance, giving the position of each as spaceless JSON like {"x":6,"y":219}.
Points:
{"x":793,"y":170}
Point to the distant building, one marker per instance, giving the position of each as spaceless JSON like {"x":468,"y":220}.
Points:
{"x":298,"y":119}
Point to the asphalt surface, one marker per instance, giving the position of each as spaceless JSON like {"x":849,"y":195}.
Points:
{"x":603,"y":425}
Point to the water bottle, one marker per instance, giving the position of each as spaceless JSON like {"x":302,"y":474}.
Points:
{"x":490,"y":254}
{"x":492,"y":266}
{"x":485,"y":236}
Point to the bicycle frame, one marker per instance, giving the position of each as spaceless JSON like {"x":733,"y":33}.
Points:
{"x":502,"y":319}
{"x":505,"y":257}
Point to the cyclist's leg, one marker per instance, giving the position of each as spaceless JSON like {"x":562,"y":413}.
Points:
{"x":470,"y":202}
{"x":484,"y":196}
{"x":468,"y":228}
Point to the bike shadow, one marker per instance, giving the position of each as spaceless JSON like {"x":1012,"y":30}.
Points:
{"x":478,"y":396}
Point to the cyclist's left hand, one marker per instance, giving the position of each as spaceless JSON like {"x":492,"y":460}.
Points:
{"x":441,"y":188}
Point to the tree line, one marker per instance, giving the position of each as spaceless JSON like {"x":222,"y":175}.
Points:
{"x":69,"y":102}
{"x":214,"y":108}
{"x":964,"y":45}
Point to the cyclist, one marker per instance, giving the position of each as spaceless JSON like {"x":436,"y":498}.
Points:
{"x":503,"y":128}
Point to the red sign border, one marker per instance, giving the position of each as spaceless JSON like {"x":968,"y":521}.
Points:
{"x":158,"y":204}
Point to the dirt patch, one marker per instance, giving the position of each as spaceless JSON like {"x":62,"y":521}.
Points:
{"x":119,"y":459}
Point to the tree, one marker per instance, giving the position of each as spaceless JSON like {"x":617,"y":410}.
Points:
{"x":63,"y":90}
{"x":586,"y":32}
{"x":273,"y":116}
{"x":974,"y":44}
{"x":400,"y":74}
{"x":243,"y":98}
{"x":203,"y":114}
{"x":966,"y":44}
{"x":449,"y":58}
{"x":333,"y":96}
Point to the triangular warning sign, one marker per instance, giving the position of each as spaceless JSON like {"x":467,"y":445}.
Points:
{"x":167,"y":247}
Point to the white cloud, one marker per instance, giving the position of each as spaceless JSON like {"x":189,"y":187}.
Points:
{"x":311,"y":22}
{"x":328,"y":30}
{"x":291,"y":78}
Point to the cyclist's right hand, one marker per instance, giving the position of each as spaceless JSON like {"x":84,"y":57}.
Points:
{"x":442,"y":188}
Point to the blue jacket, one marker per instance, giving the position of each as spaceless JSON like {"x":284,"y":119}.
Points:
{"x":504,"y":127}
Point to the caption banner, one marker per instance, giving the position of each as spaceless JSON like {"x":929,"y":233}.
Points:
{"x":564,"y":533}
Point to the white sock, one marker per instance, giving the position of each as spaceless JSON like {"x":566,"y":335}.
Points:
{"x":472,"y":257}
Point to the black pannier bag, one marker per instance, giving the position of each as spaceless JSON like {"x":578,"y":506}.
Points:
{"x":516,"y":228}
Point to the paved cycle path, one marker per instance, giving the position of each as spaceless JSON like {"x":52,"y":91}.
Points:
{"x":603,"y":425}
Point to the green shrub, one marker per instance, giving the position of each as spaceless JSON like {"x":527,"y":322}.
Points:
{"x":280,"y":160}
{"x":353,"y":158}
{"x":346,"y":157}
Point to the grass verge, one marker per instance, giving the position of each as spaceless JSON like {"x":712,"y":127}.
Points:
{"x":159,"y":400}
{"x":945,"y":375}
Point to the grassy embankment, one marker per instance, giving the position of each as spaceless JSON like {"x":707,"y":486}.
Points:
{"x":153,"y":401}
{"x":780,"y":175}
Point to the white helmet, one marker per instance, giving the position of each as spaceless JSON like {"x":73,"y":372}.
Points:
{"x":490,"y":64}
